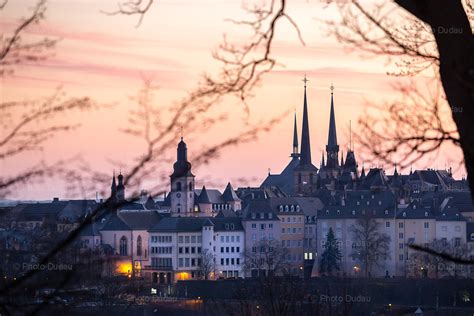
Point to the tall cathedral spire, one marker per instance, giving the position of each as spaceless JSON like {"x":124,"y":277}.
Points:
{"x":295,"y":140}
{"x":305,"y":155}
{"x":332,"y":136}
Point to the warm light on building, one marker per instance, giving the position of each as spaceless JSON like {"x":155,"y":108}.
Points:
{"x":124,"y":268}
{"x":183,"y":275}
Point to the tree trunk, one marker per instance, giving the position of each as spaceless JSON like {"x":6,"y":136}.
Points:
{"x":455,"y":41}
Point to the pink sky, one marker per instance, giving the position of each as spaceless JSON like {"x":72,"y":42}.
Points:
{"x":103,"y":57}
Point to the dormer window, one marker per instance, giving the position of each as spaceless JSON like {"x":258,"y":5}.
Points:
{"x":338,"y":212}
{"x":404,"y":214}
{"x":292,"y":208}
{"x":232,"y":227}
{"x":270,"y":215}
{"x":281,"y":208}
{"x":297,"y":208}
{"x":358,"y":203}
{"x":368,"y":203}
{"x":426,"y":214}
{"x":380,"y":202}
{"x":262,"y":215}
{"x":472,"y":236}
{"x":286,"y":208}
{"x":373,"y":196}
{"x":327,"y":212}
{"x":253,"y":215}
{"x":386,"y":212}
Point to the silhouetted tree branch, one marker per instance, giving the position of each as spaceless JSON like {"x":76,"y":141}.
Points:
{"x":15,"y":49}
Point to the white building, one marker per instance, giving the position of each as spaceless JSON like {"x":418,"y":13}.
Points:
{"x":183,"y":248}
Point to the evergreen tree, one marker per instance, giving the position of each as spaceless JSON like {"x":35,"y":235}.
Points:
{"x":331,"y":256}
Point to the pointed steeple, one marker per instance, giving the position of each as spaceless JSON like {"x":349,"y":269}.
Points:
{"x":342,"y":158}
{"x":362,"y":174}
{"x":305,"y":155}
{"x":229,"y":194}
{"x":322,"y":160}
{"x":113,"y":187}
{"x":395,"y":172}
{"x":204,"y":196}
{"x":332,"y":136}
{"x":295,"y":140}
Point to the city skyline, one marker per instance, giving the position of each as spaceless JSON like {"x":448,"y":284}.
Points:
{"x":115,"y":75}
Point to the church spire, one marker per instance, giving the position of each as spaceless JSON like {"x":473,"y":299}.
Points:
{"x":305,"y":155}
{"x":332,"y":136}
{"x":295,"y":140}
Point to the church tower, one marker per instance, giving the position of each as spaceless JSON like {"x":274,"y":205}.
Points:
{"x":182,"y":184}
{"x":305,"y":173}
{"x":331,"y":168}
{"x":332,"y":148}
{"x":295,"y":153}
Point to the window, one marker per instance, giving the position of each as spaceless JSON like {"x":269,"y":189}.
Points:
{"x":193,"y":239}
{"x":222,"y":238}
{"x":387,"y":224}
{"x":457,"y":242}
{"x":400,"y":246}
{"x":400,"y":257}
{"x":282,"y":230}
{"x":426,"y":225}
{"x":254,"y":237}
{"x":226,"y":238}
{"x":180,"y":239}
{"x":180,"y":250}
{"x":139,"y":246}
{"x":400,"y":225}
{"x":400,"y":235}
{"x":178,"y":186}
{"x":237,"y":238}
{"x":232,"y":239}
{"x":254,"y":226}
{"x":222,"y":249}
{"x":123,"y":246}
{"x":186,"y":239}
{"x":180,"y":262}
{"x":262,"y":226}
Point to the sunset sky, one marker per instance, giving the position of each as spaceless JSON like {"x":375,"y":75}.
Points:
{"x":104,"y":57}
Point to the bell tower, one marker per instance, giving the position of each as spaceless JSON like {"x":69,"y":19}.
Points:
{"x":182,"y":184}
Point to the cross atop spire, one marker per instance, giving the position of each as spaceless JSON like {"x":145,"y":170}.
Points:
{"x":305,"y":80}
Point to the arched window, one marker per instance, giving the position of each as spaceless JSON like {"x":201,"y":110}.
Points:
{"x":123,"y":246}
{"x":178,"y":186}
{"x":139,"y":246}
{"x":190,"y":186}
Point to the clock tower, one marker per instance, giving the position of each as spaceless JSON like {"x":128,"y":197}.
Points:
{"x":182,"y":184}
